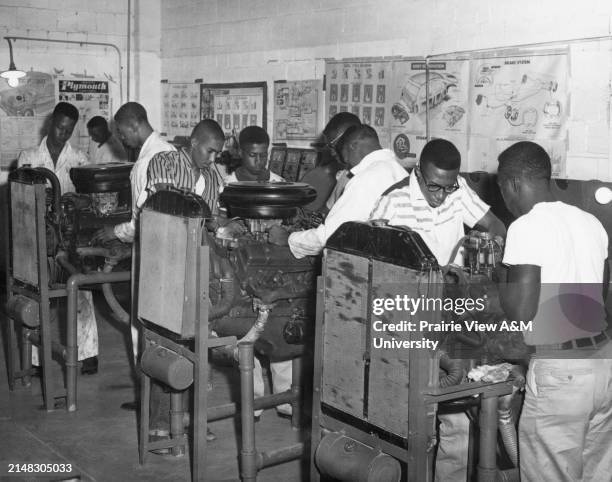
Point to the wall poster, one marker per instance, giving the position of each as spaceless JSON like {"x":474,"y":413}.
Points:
{"x":296,"y":110}
{"x":234,"y":106}
{"x":24,"y":111}
{"x":91,"y":98}
{"x":180,"y":108}
{"x":517,"y":98}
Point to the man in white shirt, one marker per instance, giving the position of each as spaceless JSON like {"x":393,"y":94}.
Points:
{"x":371,"y":171}
{"x":56,"y":154}
{"x":436,"y":202}
{"x":105,"y":147}
{"x":135,"y":132}
{"x":557,"y":276}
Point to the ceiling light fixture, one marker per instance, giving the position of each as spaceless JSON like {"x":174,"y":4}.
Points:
{"x":12,"y":75}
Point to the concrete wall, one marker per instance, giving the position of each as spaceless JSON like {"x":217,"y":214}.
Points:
{"x":93,"y":21}
{"x":255,"y":40}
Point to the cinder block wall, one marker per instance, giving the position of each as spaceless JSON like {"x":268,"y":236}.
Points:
{"x":255,"y":40}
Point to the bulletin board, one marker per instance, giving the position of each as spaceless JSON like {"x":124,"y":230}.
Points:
{"x":180,"y":108}
{"x":235,"y":106}
{"x":296,"y":110}
{"x":91,"y":98}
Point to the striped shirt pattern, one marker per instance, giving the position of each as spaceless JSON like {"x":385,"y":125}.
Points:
{"x":441,"y":227}
{"x":176,"y":169}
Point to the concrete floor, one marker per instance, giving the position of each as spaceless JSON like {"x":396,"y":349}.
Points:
{"x":100,"y":439}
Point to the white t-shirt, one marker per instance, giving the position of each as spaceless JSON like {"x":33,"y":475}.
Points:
{"x":570,"y":246}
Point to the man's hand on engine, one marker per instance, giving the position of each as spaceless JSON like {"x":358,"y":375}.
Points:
{"x":278,"y":235}
{"x":104,"y":235}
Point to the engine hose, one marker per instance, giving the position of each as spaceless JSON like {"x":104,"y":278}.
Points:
{"x":229,"y":290}
{"x":506,"y":427}
{"x":456,"y":249}
{"x":109,"y":295}
{"x":62,"y":259}
{"x":93,"y":251}
{"x":55,"y":187}
{"x":453,"y":369}
{"x":263,"y":313}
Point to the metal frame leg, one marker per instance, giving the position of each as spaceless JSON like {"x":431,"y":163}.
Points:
{"x":248,"y":454}
{"x":296,"y":389}
{"x":26,"y":357}
{"x":177,"y":428}
{"x":487,"y":466}
{"x":145,"y":397}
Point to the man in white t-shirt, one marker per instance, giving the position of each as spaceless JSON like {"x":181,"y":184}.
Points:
{"x":557,"y":275}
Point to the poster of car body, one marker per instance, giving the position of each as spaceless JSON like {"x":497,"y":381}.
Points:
{"x":361,"y":88}
{"x":234,"y":106}
{"x":23,"y":112}
{"x":438,"y":89}
{"x":519,"y":98}
{"x":91,"y":98}
{"x":180,"y":108}
{"x":392,"y":97}
{"x":296,"y":109}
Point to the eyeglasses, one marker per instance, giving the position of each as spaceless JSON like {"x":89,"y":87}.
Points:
{"x":332,"y":144}
{"x":433,"y":187}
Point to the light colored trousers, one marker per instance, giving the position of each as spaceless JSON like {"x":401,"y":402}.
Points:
{"x":281,"y":381}
{"x":452,"y":456}
{"x":87,"y":329}
{"x":565,"y":429}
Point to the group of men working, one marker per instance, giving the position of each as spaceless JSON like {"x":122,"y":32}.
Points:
{"x":566,"y":423}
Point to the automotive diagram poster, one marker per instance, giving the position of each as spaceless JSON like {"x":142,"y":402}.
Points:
{"x":234,"y":106}
{"x":91,"y":98}
{"x":519,"y":98}
{"x":296,"y":109}
{"x":180,"y":108}
{"x":446,"y":98}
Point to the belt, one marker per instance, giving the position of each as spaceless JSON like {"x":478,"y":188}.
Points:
{"x":587,"y":342}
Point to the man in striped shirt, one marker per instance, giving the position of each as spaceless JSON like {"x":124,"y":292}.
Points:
{"x":192,"y":169}
{"x":436,"y":202}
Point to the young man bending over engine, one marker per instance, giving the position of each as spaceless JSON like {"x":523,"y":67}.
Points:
{"x":436,"y":202}
{"x":191,"y":169}
{"x":371,"y":171}
{"x":557,"y":260}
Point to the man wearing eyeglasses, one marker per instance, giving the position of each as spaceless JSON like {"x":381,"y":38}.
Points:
{"x":436,"y":202}
{"x":332,"y":135}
